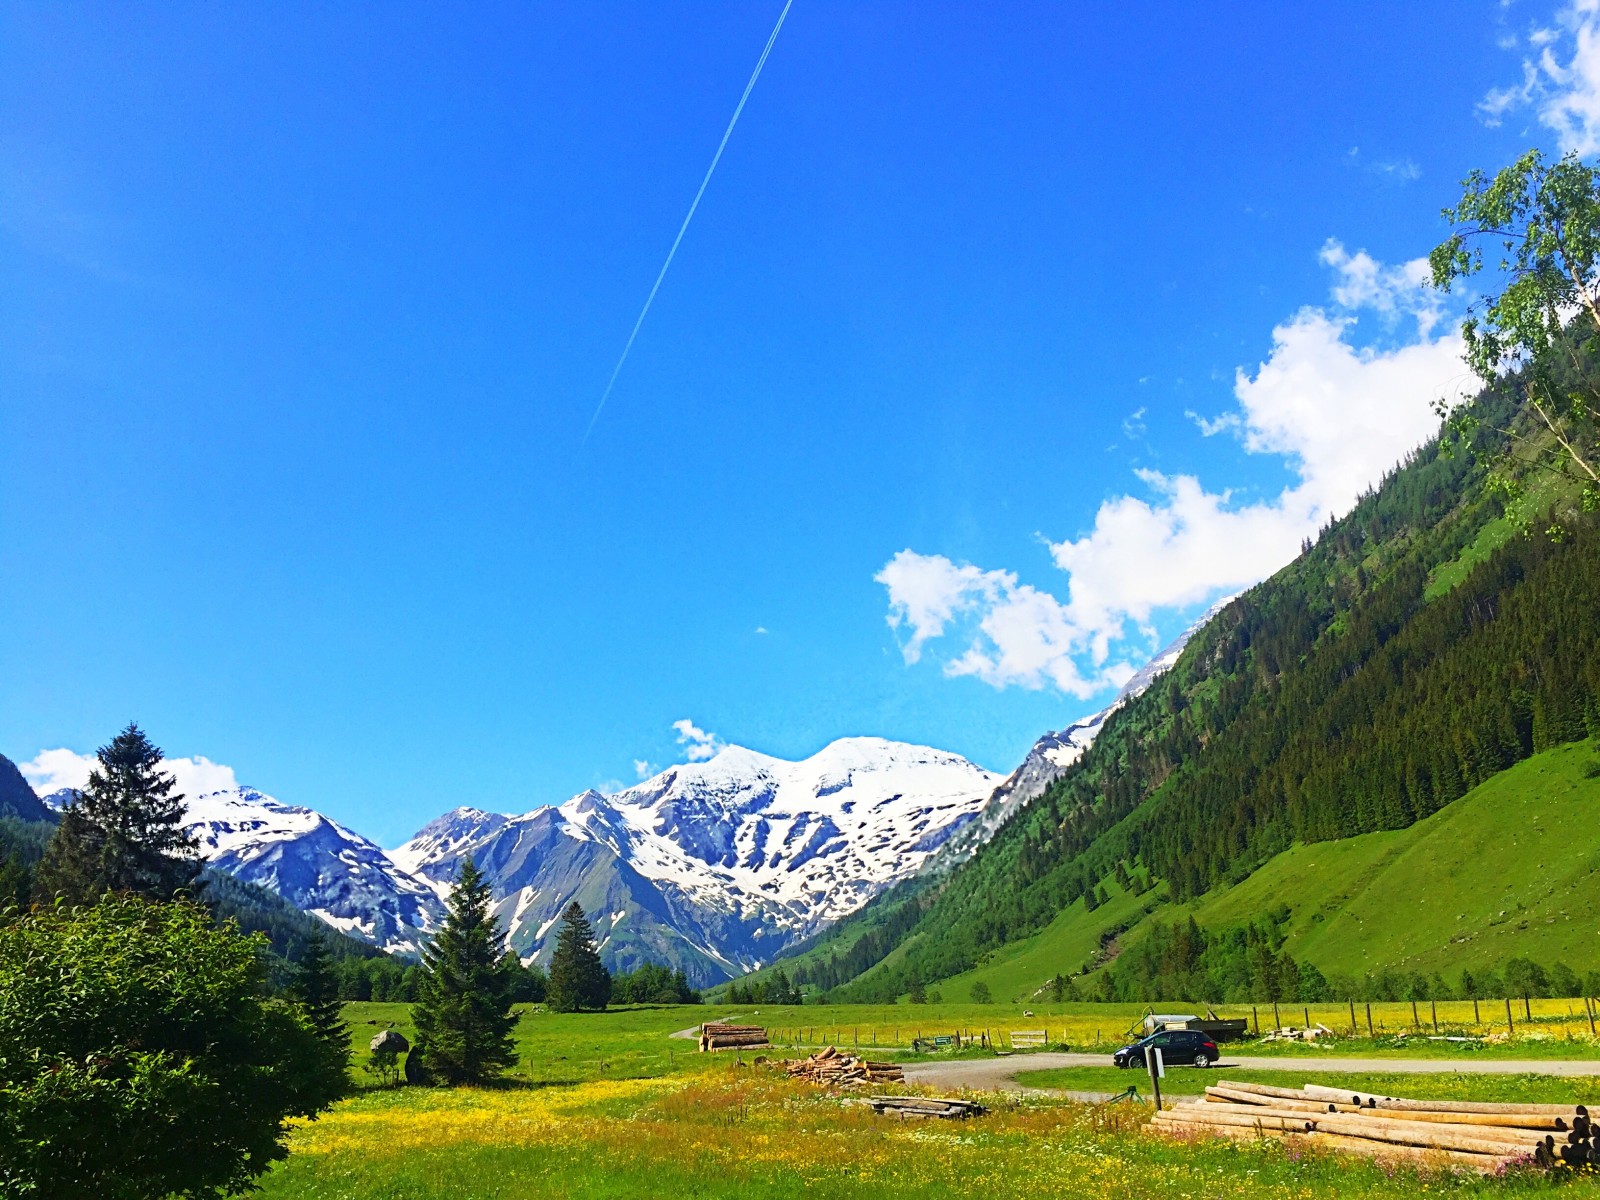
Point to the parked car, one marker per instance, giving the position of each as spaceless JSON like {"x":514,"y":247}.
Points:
{"x":1178,"y":1046}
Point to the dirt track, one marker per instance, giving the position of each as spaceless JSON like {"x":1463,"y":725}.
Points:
{"x":999,"y":1074}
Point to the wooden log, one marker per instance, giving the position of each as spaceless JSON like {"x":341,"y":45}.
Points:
{"x":1441,"y":1137}
{"x":1426,"y":1127}
{"x":1230,"y":1093}
{"x":1418,"y":1155}
{"x":1369,"y":1100}
{"x":1529,"y":1122}
{"x":931,"y":1100}
{"x":1287,"y":1109}
{"x":1426,"y":1133}
{"x":1197,"y":1115}
{"x":1264,"y":1090}
{"x":1227,"y":1096}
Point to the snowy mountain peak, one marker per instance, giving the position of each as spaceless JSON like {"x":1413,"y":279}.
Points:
{"x":723,"y":862}
{"x":316,"y":864}
{"x":446,"y":836}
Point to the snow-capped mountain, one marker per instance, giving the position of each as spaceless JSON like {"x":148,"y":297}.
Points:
{"x":315,"y":864}
{"x":715,"y":866}
{"x":1053,"y":753}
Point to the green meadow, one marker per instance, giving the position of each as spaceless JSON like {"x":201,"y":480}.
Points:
{"x":610,"y":1105}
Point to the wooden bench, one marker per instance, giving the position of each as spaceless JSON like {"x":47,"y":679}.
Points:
{"x":1027,"y":1039}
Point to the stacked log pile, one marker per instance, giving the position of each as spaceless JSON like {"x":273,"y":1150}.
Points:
{"x":922,"y":1106}
{"x":833,"y":1069}
{"x":719,"y":1035}
{"x":1484,"y":1137}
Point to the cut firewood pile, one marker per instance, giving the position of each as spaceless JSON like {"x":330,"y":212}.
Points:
{"x":949,"y":1108}
{"x":834,"y":1069}
{"x":717,"y":1035}
{"x":1482,"y":1136}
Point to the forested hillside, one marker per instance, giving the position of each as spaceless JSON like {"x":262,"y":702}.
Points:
{"x":1422,"y":645}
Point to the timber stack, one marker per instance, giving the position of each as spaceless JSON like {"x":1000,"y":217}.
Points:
{"x":1480,"y":1136}
{"x":833,"y":1069}
{"x":949,"y":1108}
{"x":719,"y":1035}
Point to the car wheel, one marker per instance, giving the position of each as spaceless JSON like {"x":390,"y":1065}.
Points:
{"x":1202,"y":1060}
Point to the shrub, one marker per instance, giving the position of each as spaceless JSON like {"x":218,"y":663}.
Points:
{"x":140,"y":1056}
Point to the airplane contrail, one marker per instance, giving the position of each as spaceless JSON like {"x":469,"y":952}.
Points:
{"x":684,"y":228}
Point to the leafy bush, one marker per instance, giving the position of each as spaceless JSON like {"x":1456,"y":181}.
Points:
{"x":140,"y":1056}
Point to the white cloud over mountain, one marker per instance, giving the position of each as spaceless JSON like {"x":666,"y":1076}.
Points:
{"x":698,"y":745}
{"x":51,"y":770}
{"x":1560,"y":79}
{"x":1337,"y":413}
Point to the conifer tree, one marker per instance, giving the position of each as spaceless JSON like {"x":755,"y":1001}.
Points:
{"x":578,"y":979}
{"x":316,"y":987}
{"x":124,"y":832}
{"x":463,"y":1011}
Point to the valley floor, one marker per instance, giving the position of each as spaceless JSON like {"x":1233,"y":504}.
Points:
{"x":610,"y":1105}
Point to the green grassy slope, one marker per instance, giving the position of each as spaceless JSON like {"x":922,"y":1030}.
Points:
{"x":1068,"y":943}
{"x":1512,"y":868}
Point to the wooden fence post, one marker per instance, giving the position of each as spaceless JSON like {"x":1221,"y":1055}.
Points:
{"x":1476,"y":1019}
{"x":1255,"y":1020}
{"x":1277,"y":1021}
{"x":1435,"y":1004}
{"x":1369,"y":1020}
{"x":1416,"y":1021}
{"x":1307,"y":1011}
{"x":1510,"y":1028}
{"x":1527,"y":1008}
{"x":1352,"y":1018}
{"x":1588,"y":1010}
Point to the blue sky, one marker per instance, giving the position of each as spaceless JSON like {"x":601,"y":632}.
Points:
{"x":1005,"y":338}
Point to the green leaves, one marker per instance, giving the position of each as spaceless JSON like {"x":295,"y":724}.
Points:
{"x":124,"y":833}
{"x":578,"y":980}
{"x":139,"y":1056}
{"x":1541,"y":330}
{"x":463,"y":1013}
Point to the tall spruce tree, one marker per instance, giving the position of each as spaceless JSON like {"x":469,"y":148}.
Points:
{"x":578,"y":979}
{"x":123,"y":833}
{"x":316,"y":987}
{"x":463,"y":1011}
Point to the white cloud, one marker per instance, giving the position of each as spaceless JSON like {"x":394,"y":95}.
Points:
{"x":642,"y":768}
{"x":761,"y":629}
{"x":1133,"y":425}
{"x":51,"y":770}
{"x":1364,"y":282}
{"x":1016,"y":634}
{"x":1339,"y":415}
{"x":698,"y":744}
{"x":1560,"y":79}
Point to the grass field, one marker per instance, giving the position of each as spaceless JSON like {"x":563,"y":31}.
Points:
{"x":609,"y":1105}
{"x":1512,"y":868}
{"x":749,"y":1135}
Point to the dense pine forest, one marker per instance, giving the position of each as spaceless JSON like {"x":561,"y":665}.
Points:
{"x":1422,"y":644}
